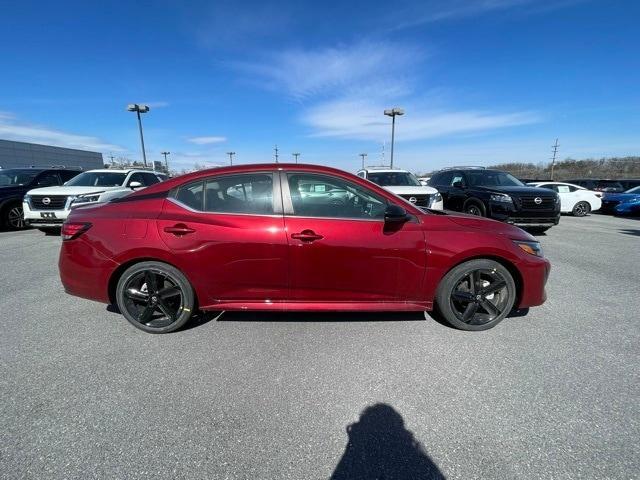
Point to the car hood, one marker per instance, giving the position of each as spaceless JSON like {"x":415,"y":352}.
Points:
{"x":480,"y":223}
{"x":410,"y":190}
{"x":621,"y":197}
{"x":542,"y":192}
{"x":6,"y":190}
{"x":64,"y":190}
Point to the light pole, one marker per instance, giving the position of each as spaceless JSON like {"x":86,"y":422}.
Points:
{"x":134,"y":107}
{"x":363,"y":155}
{"x":392,"y":113}
{"x":166,"y":164}
{"x":275,"y":149}
{"x":296,"y":155}
{"x":231,"y":154}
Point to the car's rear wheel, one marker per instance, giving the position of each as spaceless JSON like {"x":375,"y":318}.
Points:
{"x":155,"y":297}
{"x":474,"y":208}
{"x":476,"y":295}
{"x":580,"y":209}
{"x":13,"y":217}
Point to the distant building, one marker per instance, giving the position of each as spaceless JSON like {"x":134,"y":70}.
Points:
{"x":21,"y":154}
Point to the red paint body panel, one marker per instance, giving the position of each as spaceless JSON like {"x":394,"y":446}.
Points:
{"x":251,"y":262}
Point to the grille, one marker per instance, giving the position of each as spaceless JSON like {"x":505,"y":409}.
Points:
{"x":421,"y":200}
{"x":529,"y":203}
{"x":56,"y":202}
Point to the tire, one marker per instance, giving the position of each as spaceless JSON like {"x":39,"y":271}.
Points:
{"x":581,"y":209}
{"x":474,"y":207}
{"x":476,"y":295}
{"x":13,"y":217}
{"x":162,"y":308}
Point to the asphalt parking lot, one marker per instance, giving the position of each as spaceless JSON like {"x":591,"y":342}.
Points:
{"x":553,"y":394}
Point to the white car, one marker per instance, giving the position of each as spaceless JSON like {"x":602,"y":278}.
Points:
{"x":424,"y":181}
{"x":573,"y":198}
{"x":404,"y":184}
{"x":47,"y":208}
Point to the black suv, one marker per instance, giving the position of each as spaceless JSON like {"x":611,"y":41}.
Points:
{"x":497,"y":195}
{"x":15,"y":182}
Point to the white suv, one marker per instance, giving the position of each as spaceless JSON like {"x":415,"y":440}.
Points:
{"x":47,"y":208}
{"x":404,"y":184}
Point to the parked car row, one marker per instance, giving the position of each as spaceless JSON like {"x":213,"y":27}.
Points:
{"x":43,"y":197}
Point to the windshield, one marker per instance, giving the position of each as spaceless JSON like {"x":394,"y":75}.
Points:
{"x":97,"y":179}
{"x":394,"y":179}
{"x":490,"y":178}
{"x":634,"y":190}
{"x":16,"y":177}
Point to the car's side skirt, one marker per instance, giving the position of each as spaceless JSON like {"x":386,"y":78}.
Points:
{"x":322,"y":306}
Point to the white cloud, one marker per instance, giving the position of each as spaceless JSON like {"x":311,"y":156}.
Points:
{"x":306,"y":73}
{"x":206,"y":140}
{"x":12,"y":129}
{"x":364,"y":120}
{"x":155,"y":104}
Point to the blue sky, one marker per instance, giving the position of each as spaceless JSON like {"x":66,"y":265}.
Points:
{"x":481,"y":81}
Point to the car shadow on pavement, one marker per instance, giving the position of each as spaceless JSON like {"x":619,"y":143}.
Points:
{"x":437,"y":316}
{"x":379,"y":446}
{"x":631,"y":231}
{"x":321,"y":316}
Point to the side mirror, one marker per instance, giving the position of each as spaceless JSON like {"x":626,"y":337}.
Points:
{"x":458,"y":184}
{"x":395,"y":214}
{"x":134,"y":185}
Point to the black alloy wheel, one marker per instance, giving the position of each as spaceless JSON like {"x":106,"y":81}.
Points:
{"x":476,"y":295}
{"x":155,"y":297}
{"x":473,"y":209}
{"x":15,"y":217}
{"x":581,"y":209}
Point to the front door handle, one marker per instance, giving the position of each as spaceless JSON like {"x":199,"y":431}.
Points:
{"x":179,"y":229}
{"x":307,"y":236}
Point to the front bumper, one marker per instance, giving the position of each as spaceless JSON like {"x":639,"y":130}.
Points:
{"x":524,"y":218}
{"x":44,"y":218}
{"x":535,"y":274}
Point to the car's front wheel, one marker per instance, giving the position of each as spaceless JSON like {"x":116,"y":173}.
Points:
{"x":155,"y":297}
{"x":13,"y":217}
{"x":476,"y":295}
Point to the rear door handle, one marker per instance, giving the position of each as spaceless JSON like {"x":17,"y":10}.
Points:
{"x":307,"y":236}
{"x":179,"y":229}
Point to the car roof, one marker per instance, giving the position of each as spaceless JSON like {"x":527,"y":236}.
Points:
{"x":120,"y":170}
{"x":384,"y":170}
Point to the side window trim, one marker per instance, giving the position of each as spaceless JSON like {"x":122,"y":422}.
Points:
{"x":276,"y":194}
{"x":288,"y":203}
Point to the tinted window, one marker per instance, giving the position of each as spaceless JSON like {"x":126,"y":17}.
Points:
{"x":562,"y":188}
{"x":150,"y":179}
{"x":16,"y":177}
{"x":67,"y":175}
{"x":549,"y":187}
{"x":633,"y":190}
{"x":47,"y":180}
{"x":442,"y":179}
{"x":137,"y":177}
{"x":251,"y":193}
{"x":361,"y":174}
{"x":455,"y":178}
{"x":492,"y":178}
{"x":394,"y":179}
{"x":98,"y":179}
{"x":191,"y":195}
{"x":331,"y":197}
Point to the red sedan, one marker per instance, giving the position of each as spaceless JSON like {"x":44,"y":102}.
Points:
{"x":293,"y":237}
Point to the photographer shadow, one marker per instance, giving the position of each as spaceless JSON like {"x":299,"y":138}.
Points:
{"x":380,"y":447}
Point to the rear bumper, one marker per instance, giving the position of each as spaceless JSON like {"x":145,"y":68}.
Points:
{"x":85,"y":272}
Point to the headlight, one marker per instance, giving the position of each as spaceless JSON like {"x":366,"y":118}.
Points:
{"x":532,"y":248}
{"x":26,"y":198}
{"x":435,"y":198}
{"x":85,"y":199}
{"x":501,"y":197}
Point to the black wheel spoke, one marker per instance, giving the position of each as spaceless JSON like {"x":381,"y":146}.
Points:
{"x":146,"y":314}
{"x":150,"y":278}
{"x":166,"y":310}
{"x":169,"y":292}
{"x":135,"y":294}
{"x":493,"y":288}
{"x":469,"y":312}
{"x":465,"y":297}
{"x":490,"y":308}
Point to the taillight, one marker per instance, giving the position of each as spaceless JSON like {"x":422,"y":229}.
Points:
{"x":71,"y":230}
